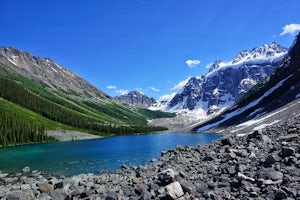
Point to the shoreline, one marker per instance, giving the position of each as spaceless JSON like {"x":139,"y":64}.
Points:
{"x":65,"y":135}
{"x":261,"y":165}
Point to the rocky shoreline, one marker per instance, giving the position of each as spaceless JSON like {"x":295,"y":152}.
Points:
{"x":264,"y":164}
{"x":65,"y":135}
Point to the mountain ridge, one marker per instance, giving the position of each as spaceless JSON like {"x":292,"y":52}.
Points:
{"x":136,"y":98}
{"x":41,"y":88}
{"x":274,"y":92}
{"x":46,"y":71}
{"x":226,"y":82}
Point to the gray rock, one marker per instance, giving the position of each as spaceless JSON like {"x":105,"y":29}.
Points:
{"x":146,"y":196}
{"x":228,"y":140}
{"x":26,"y":170}
{"x":289,"y":137}
{"x":287,"y":151}
{"x":16,"y":195}
{"x":265,"y":139}
{"x":208,"y":158}
{"x":154,"y":186}
{"x":188,"y":187}
{"x":247,"y":186}
{"x":271,"y":159}
{"x":280,"y":194}
{"x":174,"y":190}
{"x":167,"y":176}
{"x":242,"y":177}
{"x":46,"y":188}
{"x":141,"y":188}
{"x":124,"y":167}
{"x":59,"y":185}
{"x":276,"y":175}
{"x":43,"y":196}
{"x":200,"y":186}
{"x":3,"y":175}
{"x":254,"y":135}
{"x":25,"y":187}
{"x":53,"y":180}
{"x":230,"y":156}
{"x":111,"y":197}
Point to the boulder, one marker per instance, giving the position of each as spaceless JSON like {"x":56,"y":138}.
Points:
{"x":174,"y":190}
{"x":280,"y":194}
{"x":16,"y":195}
{"x":167,"y":176}
{"x":141,"y":188}
{"x":187,"y":186}
{"x":276,"y":175}
{"x":26,"y":170}
{"x":287,"y":151}
{"x":46,"y":188}
{"x":228,"y":140}
{"x":271,"y":159}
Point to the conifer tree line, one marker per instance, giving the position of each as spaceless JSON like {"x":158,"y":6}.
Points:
{"x":18,"y":94}
{"x":15,"y":130}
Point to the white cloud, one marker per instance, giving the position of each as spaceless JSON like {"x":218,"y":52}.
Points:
{"x":180,"y":85}
{"x":154,"y":89}
{"x":122,"y":92}
{"x":111,"y":87}
{"x":167,"y":97}
{"x":290,"y":29}
{"x":192,"y":63}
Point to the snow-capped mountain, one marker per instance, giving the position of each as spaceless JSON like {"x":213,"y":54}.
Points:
{"x":226,"y":82}
{"x":137,"y":99}
{"x":46,"y":71}
{"x":268,"y":100}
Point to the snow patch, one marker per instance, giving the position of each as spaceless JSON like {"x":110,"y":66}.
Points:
{"x":12,"y":61}
{"x":262,"y":126}
{"x":261,"y":59}
{"x":241,"y":110}
{"x":54,"y":69}
{"x":216,"y":92}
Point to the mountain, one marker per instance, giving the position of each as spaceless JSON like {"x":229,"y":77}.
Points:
{"x":46,"y":71}
{"x":137,"y":99}
{"x":226,"y":82}
{"x":38,"y":95}
{"x":277,"y":93}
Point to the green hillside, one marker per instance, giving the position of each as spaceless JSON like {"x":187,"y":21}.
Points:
{"x":41,"y":108}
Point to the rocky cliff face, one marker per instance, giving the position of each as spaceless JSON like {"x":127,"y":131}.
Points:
{"x":226,"y":82}
{"x":278,"y":90}
{"x":46,"y":71}
{"x":137,"y":99}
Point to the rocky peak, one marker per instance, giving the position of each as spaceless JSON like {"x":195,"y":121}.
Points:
{"x":226,"y":82}
{"x":189,"y":95}
{"x":263,"y":52}
{"x":216,"y":65}
{"x":136,"y":98}
{"x":136,"y":93}
{"x":242,"y":55}
{"x":46,"y":71}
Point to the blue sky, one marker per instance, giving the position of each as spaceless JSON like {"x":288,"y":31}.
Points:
{"x":120,"y":45}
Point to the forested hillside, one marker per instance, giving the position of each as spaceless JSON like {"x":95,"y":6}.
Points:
{"x":61,"y":110}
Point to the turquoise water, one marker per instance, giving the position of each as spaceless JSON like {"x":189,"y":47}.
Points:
{"x":93,"y":156}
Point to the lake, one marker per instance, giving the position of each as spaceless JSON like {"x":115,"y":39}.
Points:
{"x":93,"y":156}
